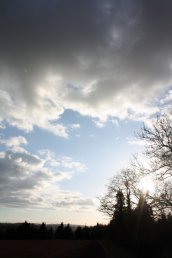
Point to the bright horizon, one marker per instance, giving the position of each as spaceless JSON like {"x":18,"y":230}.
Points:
{"x":77,"y":80}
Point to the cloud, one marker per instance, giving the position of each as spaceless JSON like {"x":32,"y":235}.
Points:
{"x":27,"y":180}
{"x":167,"y":98}
{"x":62,"y":162}
{"x":77,"y":202}
{"x":2,"y":125}
{"x":114,"y":121}
{"x":42,"y":112}
{"x":75,"y":126}
{"x":14,"y":141}
{"x":135,"y":141}
{"x":18,"y":169}
{"x":98,"y":123}
{"x":99,"y":58}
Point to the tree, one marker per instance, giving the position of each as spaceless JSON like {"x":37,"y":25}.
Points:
{"x":68,"y":234}
{"x":78,"y":232}
{"x":159,"y":145}
{"x":143,"y":227}
{"x":127,"y":183}
{"x":43,"y":232}
{"x":162,"y":198}
{"x":83,"y":232}
{"x":60,"y":231}
{"x":143,"y":209}
{"x":119,"y":206}
{"x":24,"y":230}
{"x":159,"y":153}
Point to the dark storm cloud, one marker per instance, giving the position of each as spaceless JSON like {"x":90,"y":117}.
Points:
{"x":106,"y":57}
{"x":41,"y":34}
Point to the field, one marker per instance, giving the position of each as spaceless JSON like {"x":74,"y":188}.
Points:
{"x":50,"y":249}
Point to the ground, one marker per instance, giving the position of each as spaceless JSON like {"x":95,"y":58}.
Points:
{"x":51,"y":249}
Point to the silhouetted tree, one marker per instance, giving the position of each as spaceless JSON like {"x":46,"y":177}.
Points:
{"x":68,"y":234}
{"x":98,"y":231}
{"x":78,"y":232}
{"x":143,"y":209}
{"x":159,"y":153}
{"x":144,"y":227}
{"x":50,"y":233}
{"x":83,"y":232}
{"x":24,"y":230}
{"x":117,"y":224}
{"x":43,"y":232}
{"x":119,"y":207}
{"x":59,"y":233}
{"x":159,"y":147}
{"x":127,"y":182}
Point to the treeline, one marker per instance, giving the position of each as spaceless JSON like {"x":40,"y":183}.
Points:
{"x":138,"y":231}
{"x":33,"y":231}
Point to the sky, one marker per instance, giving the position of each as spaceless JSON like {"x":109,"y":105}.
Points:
{"x":77,"y":80}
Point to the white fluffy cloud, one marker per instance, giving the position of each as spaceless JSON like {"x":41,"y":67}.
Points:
{"x":41,"y":111}
{"x":29,"y":180}
{"x":100,"y":58}
{"x":62,"y":162}
{"x":13,"y":141}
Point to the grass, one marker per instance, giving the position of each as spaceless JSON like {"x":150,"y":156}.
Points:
{"x":114,"y":251}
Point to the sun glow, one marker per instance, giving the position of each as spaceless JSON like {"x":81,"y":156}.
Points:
{"x":147,"y":184}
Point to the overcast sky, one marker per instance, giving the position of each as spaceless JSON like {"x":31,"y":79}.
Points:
{"x":77,"y":79}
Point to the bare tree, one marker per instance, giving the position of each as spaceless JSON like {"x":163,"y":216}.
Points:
{"x":127,"y":183}
{"x":159,"y":153}
{"x":161,"y":200}
{"x":159,"y":145}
